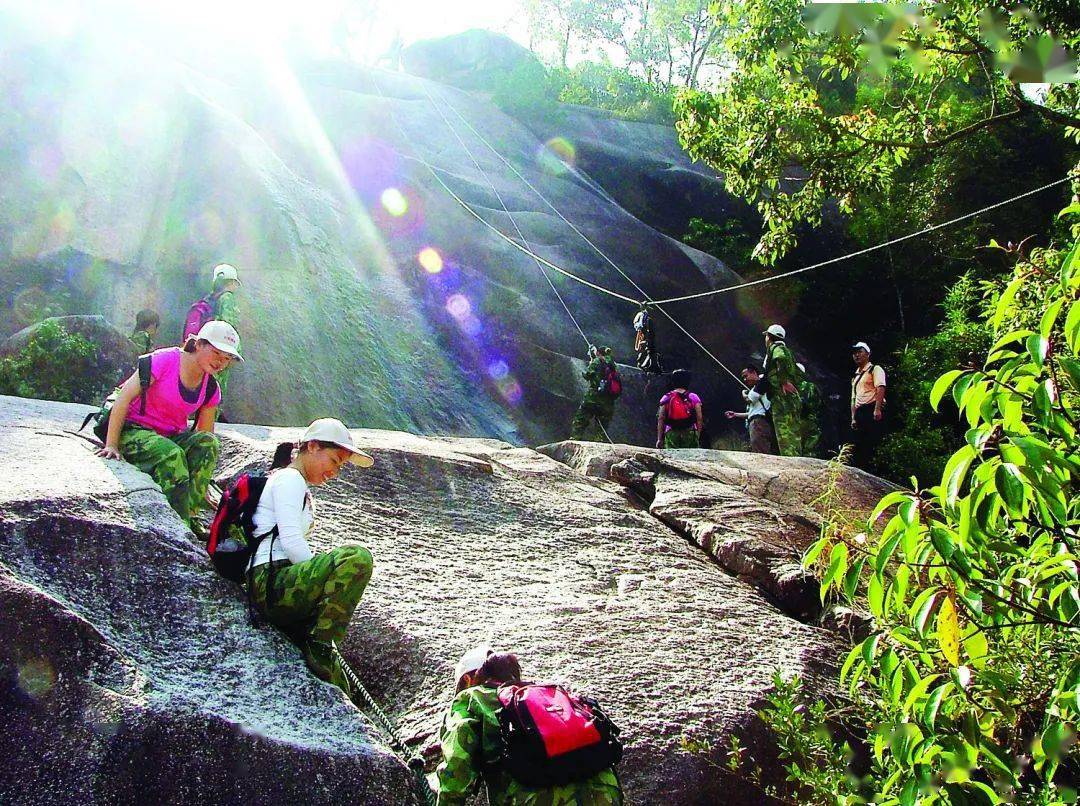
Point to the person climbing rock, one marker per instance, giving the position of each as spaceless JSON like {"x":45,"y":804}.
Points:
{"x":473,"y":748}
{"x":603,"y":386}
{"x":781,"y":379}
{"x":679,"y":421}
{"x":867,"y":406}
{"x":810,"y":413}
{"x":648,"y":359}
{"x":219,"y":304}
{"x":149,"y":427}
{"x":758,"y":424}
{"x":147,"y":323}
{"x":311,"y":597}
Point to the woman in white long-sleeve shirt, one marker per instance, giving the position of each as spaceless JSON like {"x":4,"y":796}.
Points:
{"x":311,"y":596}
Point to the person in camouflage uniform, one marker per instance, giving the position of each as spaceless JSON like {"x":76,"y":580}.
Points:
{"x":182,"y":464}
{"x":313,"y":602}
{"x":147,"y":323}
{"x":311,"y":597}
{"x":594,"y":415}
{"x":471,"y":745}
{"x":811,"y":410}
{"x":226,"y":306}
{"x":782,"y":377}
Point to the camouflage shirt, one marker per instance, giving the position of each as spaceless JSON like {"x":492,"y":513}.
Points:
{"x":228,"y":310}
{"x":142,"y":341}
{"x":471,"y":747}
{"x":780,"y":369}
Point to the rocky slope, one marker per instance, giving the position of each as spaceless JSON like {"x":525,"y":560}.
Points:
{"x":131,"y":672}
{"x":133,"y":164}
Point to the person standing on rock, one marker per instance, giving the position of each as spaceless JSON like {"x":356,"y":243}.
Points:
{"x":147,"y":323}
{"x":811,"y":411}
{"x":757,"y":412}
{"x":781,"y":381}
{"x":867,"y":406}
{"x":603,"y":386}
{"x":219,"y":304}
{"x":149,"y":427}
{"x":473,"y":749}
{"x":311,"y":597}
{"x":679,"y":421}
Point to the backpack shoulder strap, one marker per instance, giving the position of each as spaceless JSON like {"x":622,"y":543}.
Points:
{"x":211,"y":389}
{"x":143,"y":370}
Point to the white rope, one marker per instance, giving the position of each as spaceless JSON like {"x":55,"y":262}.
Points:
{"x":910,"y":235}
{"x":509,"y":215}
{"x":594,"y":247}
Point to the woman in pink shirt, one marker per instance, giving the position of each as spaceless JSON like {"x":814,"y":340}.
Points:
{"x":149,"y":427}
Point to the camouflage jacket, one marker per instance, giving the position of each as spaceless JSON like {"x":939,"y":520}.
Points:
{"x":780,"y":369}
{"x":142,"y":341}
{"x":471,"y":747}
{"x":228,"y":310}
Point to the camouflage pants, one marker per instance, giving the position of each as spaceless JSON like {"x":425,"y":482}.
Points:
{"x":591,"y":411}
{"x":681,"y":438}
{"x":787,"y":424}
{"x":182,"y":465}
{"x":313,"y":602}
{"x":811,"y":435}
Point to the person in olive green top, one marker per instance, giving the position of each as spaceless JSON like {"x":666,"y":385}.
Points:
{"x":471,"y":744}
{"x":147,"y":323}
{"x":594,"y":415}
{"x":782,"y":377}
{"x":812,"y":407}
{"x":226,"y":307}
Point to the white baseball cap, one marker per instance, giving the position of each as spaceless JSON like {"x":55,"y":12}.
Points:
{"x":776,"y":330}
{"x":472,"y":660}
{"x":334,"y":431}
{"x":860,"y":345}
{"x":226,"y":272}
{"x":222,"y":335}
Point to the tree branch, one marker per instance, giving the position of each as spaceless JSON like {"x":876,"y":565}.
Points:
{"x":957,"y":135}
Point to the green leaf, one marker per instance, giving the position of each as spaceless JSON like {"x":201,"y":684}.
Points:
{"x":919,"y":691}
{"x":942,"y":385}
{"x":1049,"y":317}
{"x":1072,"y":328}
{"x":933,"y":703}
{"x":1005,"y":302}
{"x":851,"y":579}
{"x":886,"y":551}
{"x":1037,"y":347}
{"x":875,"y":595}
{"x":976,"y":648}
{"x":869,"y":648}
{"x":837,"y":567}
{"x":814,"y":551}
{"x":1009,"y":483}
{"x":922,"y":608}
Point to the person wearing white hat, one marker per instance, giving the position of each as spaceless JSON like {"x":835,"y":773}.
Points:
{"x":781,"y":381}
{"x":310,"y":596}
{"x":867,"y":406}
{"x":174,"y":385}
{"x":224,"y":305}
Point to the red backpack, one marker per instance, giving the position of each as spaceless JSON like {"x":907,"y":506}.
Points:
{"x":236,"y":507}
{"x":551,"y":737}
{"x":679,"y":411}
{"x":610,"y":381}
{"x":200,"y":312}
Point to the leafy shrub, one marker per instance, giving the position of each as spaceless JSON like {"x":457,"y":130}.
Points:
{"x":526,"y":89}
{"x":967,"y":687}
{"x":614,"y":89}
{"x":55,"y":365}
{"x":920,"y":440}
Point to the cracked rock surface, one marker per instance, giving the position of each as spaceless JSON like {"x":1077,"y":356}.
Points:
{"x":131,"y":672}
{"x":755,"y":513}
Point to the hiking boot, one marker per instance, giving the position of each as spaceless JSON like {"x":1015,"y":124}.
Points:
{"x":326,"y":665}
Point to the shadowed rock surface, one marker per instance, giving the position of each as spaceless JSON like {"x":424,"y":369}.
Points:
{"x":755,"y":513}
{"x":132,"y":168}
{"x":474,"y":541}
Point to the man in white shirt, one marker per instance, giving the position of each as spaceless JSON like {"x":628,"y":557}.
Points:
{"x":758,"y":425}
{"x":867,"y":406}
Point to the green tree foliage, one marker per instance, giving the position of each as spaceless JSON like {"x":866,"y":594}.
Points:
{"x":614,"y":89}
{"x":921,"y":440}
{"x":852,"y":93}
{"x":967,"y":687}
{"x":55,"y":365}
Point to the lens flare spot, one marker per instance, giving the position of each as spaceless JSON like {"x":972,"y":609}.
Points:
{"x":459,"y":307}
{"x":472,"y":326}
{"x":498,"y":370}
{"x":557,"y":155}
{"x":394,"y":202}
{"x":431,"y":260}
{"x":36,"y":677}
{"x":510,"y":390}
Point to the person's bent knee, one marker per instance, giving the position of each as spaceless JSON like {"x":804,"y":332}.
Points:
{"x":356,"y":557}
{"x":205,"y":441}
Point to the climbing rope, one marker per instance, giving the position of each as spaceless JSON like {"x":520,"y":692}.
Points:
{"x":589,"y":241}
{"x":414,"y":762}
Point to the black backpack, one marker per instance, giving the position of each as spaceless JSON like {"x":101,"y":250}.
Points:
{"x":239,"y":499}
{"x":101,"y":416}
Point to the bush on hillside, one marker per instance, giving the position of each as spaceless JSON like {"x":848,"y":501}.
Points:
{"x":55,"y":365}
{"x":614,"y":89}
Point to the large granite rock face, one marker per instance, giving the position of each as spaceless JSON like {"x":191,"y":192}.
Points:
{"x":756,"y":514}
{"x":472,"y":60}
{"x":131,"y":671}
{"x":132,"y":166}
